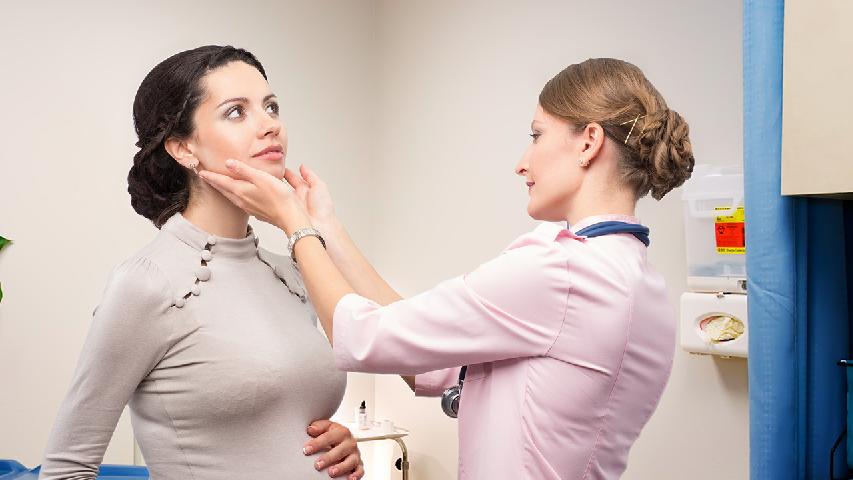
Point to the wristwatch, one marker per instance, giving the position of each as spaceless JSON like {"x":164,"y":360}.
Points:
{"x":300,"y":234}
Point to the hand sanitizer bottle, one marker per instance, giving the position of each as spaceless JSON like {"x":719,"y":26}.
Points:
{"x":362,"y":417}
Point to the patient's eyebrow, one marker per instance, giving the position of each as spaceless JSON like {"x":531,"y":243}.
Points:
{"x":235,"y":99}
{"x":244,"y":100}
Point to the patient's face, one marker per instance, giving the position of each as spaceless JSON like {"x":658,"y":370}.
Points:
{"x":551,"y":167}
{"x":238,"y":119}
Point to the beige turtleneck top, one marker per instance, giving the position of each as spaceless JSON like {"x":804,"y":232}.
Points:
{"x":213,"y":344}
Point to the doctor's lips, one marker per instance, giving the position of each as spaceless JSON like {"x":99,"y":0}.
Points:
{"x":273,"y":152}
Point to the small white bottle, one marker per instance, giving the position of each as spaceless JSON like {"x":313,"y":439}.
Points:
{"x":362,"y":417}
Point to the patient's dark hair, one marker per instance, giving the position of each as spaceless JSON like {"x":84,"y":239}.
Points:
{"x":163,"y":108}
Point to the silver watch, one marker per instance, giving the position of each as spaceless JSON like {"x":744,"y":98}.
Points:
{"x":300,"y":234}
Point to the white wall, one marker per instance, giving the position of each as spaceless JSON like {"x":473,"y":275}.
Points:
{"x":69,"y":74}
{"x":458,"y":84}
{"x":414,"y":112}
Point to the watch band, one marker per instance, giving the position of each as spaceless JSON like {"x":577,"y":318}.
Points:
{"x":300,"y":234}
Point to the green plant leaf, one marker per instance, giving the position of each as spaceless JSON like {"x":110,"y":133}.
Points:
{"x":3,"y":243}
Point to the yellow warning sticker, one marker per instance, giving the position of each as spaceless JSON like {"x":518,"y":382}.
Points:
{"x":730,"y":232}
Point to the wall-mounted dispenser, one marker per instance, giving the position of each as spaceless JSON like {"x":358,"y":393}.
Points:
{"x":713,"y":313}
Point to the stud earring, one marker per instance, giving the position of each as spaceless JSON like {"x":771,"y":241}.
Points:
{"x":193,"y":166}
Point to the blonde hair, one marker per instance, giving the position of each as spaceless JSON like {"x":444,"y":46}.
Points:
{"x":653,"y":141}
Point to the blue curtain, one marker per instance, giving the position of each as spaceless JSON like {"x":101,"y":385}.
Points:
{"x":797,"y":257}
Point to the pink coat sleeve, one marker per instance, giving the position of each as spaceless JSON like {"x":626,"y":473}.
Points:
{"x":510,"y":307}
{"x":434,"y":383}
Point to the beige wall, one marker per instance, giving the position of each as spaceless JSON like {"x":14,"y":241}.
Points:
{"x":69,"y":74}
{"x":415,"y":113}
{"x":458,"y":82}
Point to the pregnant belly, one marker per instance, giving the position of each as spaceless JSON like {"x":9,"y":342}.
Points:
{"x":284,"y":467}
{"x":271,"y":451}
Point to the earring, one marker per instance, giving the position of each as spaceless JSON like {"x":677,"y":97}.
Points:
{"x":583,"y":163}
{"x":193,"y":166}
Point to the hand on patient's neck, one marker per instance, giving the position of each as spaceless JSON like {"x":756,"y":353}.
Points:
{"x":210,"y":211}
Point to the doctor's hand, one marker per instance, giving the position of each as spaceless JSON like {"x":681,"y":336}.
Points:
{"x":261,"y":195}
{"x":341,"y":456}
{"x":314,"y":193}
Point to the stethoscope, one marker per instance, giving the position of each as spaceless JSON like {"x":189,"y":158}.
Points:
{"x":450,"y":397}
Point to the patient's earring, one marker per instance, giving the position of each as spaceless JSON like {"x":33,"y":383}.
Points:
{"x":583,"y":163}
{"x":193,"y":166}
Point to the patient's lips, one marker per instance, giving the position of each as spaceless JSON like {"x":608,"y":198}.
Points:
{"x":272,"y":153}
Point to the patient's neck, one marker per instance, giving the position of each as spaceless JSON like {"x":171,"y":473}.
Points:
{"x":210,"y":211}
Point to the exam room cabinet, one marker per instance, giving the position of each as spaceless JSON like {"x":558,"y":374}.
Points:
{"x":817,"y":112}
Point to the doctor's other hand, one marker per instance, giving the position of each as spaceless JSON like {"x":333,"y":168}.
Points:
{"x":341,"y":457}
{"x":261,"y":195}
{"x":314,"y":192}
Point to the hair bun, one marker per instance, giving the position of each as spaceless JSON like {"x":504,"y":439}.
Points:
{"x":157,"y":185}
{"x":663,"y":145}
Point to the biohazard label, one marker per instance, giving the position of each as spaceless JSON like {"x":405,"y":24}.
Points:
{"x":730,"y":232}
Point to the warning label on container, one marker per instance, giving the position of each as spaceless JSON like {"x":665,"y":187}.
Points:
{"x":730,"y":232}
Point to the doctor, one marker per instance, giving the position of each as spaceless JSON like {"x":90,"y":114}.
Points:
{"x":567,"y":335}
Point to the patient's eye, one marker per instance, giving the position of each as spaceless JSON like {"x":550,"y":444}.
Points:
{"x":234,"y":112}
{"x":272,"y":109}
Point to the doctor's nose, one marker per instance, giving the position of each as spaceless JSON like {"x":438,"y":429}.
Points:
{"x":523,"y":165}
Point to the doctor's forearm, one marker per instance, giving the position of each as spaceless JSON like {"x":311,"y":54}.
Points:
{"x":326,"y":286}
{"x":355,"y":267}
{"x":358,"y":271}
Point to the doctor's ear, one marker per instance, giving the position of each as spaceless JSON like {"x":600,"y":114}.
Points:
{"x":181,"y":151}
{"x":592,"y":139}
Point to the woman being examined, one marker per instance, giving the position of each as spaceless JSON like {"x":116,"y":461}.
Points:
{"x":210,"y":340}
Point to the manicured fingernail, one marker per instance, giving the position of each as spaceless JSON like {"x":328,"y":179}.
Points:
{"x":319,"y":464}
{"x":307,"y":450}
{"x":230,"y":163}
{"x":333,"y":471}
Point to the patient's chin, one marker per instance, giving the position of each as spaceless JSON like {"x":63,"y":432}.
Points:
{"x":275,"y":169}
